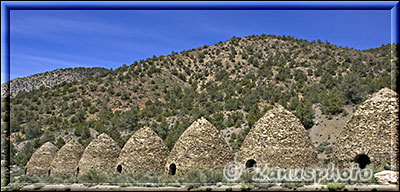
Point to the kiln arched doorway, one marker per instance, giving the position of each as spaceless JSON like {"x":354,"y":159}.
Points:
{"x":172,"y":169}
{"x":362,"y":160}
{"x":251,"y":164}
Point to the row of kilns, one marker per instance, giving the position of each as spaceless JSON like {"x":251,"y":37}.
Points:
{"x":278,"y":139}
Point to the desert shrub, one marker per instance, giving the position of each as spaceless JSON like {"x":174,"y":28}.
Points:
{"x":332,"y":103}
{"x":60,"y":142}
{"x":336,"y":186}
{"x":323,"y":146}
{"x":32,"y":130}
{"x":93,"y":177}
{"x":306,"y":114}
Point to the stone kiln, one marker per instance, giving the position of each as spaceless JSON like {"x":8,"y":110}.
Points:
{"x":278,"y":139}
{"x":371,"y":135}
{"x":67,"y":158}
{"x":39,"y":163}
{"x":200,"y":147}
{"x":144,"y":151}
{"x":100,"y":155}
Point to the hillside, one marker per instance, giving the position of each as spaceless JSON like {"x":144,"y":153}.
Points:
{"x":231,"y":83}
{"x":49,"y":79}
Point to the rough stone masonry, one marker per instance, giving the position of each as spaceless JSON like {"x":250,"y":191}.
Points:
{"x":100,"y":155}
{"x":39,"y":164}
{"x":200,"y":147}
{"x":371,"y":131}
{"x":67,"y":158}
{"x":278,"y":139}
{"x":144,"y":151}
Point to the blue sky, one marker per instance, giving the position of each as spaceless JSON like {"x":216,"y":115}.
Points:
{"x":47,"y":40}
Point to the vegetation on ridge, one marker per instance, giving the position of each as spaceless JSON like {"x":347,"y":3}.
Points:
{"x":232,"y":84}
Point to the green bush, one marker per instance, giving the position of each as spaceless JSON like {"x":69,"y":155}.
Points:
{"x":332,"y":104}
{"x":306,"y":114}
{"x":37,"y":186}
{"x":60,"y":142}
{"x":93,"y":177}
{"x":336,"y":186}
{"x":32,"y":130}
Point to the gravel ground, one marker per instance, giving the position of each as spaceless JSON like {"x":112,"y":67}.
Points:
{"x":80,"y":187}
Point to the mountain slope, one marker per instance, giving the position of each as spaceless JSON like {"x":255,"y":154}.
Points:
{"x":231,"y":84}
{"x":49,"y":79}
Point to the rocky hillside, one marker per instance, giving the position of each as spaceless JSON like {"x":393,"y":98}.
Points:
{"x":49,"y":79}
{"x":231,"y":84}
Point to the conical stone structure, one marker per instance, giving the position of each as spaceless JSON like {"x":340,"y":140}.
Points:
{"x":39,"y":164}
{"x":371,"y":135}
{"x":278,"y":139}
{"x":144,"y":151}
{"x":100,"y":156}
{"x":66,"y":160}
{"x":201,"y":146}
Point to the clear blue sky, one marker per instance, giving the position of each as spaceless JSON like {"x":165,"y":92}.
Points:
{"x":48,"y":40}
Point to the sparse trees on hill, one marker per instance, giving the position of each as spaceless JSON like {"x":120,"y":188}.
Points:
{"x":332,"y":104}
{"x":305,"y":113}
{"x":32,"y":130}
{"x":60,"y":142}
{"x":226,"y":83}
{"x":217,"y":120}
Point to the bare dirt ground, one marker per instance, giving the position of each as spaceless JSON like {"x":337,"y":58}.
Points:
{"x":328,"y":129}
{"x":315,"y":187}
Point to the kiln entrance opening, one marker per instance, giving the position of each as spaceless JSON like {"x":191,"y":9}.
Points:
{"x":172,"y":169}
{"x":362,"y":160}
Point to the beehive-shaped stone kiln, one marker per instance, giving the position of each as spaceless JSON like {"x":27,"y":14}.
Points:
{"x":100,"y":156}
{"x":144,"y":151}
{"x":66,"y":160}
{"x":370,"y":137}
{"x":39,"y":164}
{"x":278,"y":139}
{"x":201,"y":146}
